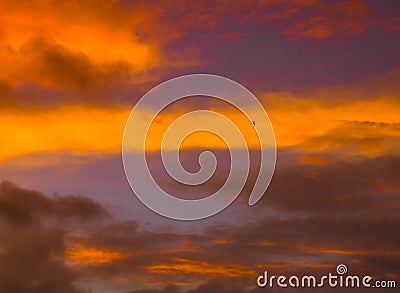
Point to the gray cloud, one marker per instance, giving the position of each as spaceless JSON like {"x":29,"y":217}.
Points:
{"x":23,"y":206}
{"x":322,"y":216}
{"x":32,"y":248}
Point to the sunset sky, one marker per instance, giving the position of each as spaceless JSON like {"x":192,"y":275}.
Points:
{"x":326,"y":72}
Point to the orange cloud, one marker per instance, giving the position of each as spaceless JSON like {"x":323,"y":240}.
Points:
{"x":186,"y":266}
{"x":351,"y":251}
{"x":220,"y":241}
{"x":92,"y":43}
{"x":43,"y":40}
{"x":82,"y":255}
{"x":274,"y":266}
{"x":388,"y":185}
{"x":73,"y":128}
{"x":344,"y":18}
{"x":367,"y":128}
{"x":319,"y":126}
{"x":309,"y":19}
{"x":316,"y":159}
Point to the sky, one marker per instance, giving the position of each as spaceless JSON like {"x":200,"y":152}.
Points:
{"x":326,"y":72}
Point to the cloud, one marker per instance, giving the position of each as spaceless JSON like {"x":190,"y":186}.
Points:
{"x":58,"y":67}
{"x":166,"y":289}
{"x":86,"y":45}
{"x":22,"y":206}
{"x":296,"y":245}
{"x":322,"y":126}
{"x":188,"y":266}
{"x":336,"y":20}
{"x":76,"y":46}
{"x":299,"y":238}
{"x":80,"y":255}
{"x":390,"y":24}
{"x":31,"y":248}
{"x":357,"y":138}
{"x":305,"y":123}
{"x":107,"y":54}
{"x":31,"y":261}
{"x":319,"y":20}
{"x":333,"y":199}
{"x":324,"y":215}
{"x":48,"y":64}
{"x":57,"y":129}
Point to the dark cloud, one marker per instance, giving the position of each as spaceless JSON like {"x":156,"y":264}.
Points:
{"x":297,"y":245}
{"x":341,"y":185}
{"x":55,"y":75}
{"x":312,"y":232}
{"x":166,"y":289}
{"x":23,"y":206}
{"x":31,"y":261}
{"x":56,"y":66}
{"x":33,"y":249}
{"x":358,"y":138}
{"x":314,"y":216}
{"x":323,"y":215}
{"x":345,"y":188}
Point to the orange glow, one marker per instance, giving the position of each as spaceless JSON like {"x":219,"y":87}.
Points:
{"x":101,"y":34}
{"x":220,"y":241}
{"x":309,"y":125}
{"x":391,"y":276}
{"x":267,"y":243}
{"x":317,"y":265}
{"x":362,"y":252}
{"x":317,"y":127}
{"x":66,"y":128}
{"x":186,"y":266}
{"x":81,"y":255}
{"x":202,"y":138}
{"x":388,"y":185}
{"x":352,"y":252}
{"x":316,"y":160}
{"x":273,"y":266}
